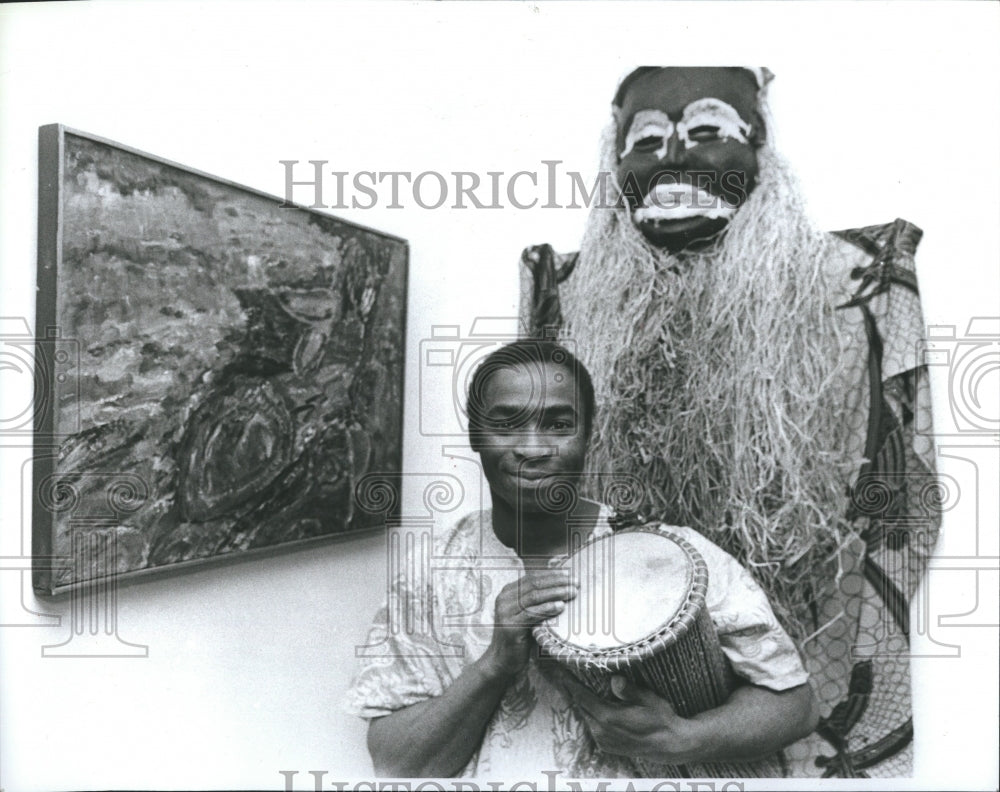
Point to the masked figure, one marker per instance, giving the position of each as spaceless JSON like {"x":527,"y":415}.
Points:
{"x":760,"y":378}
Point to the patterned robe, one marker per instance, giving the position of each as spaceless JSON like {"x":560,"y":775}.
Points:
{"x":857,"y":656}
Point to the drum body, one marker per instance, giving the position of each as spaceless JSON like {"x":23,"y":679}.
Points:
{"x":641,"y":614}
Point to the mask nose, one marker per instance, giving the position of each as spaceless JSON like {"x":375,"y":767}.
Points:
{"x":672,"y":149}
{"x":675,"y":149}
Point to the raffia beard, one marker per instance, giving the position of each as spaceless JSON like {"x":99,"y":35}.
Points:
{"x":717,"y":383}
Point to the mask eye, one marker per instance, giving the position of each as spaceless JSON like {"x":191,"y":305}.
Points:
{"x":707,"y":120}
{"x":648,"y":143}
{"x":703,"y":133}
{"x":648,"y":132}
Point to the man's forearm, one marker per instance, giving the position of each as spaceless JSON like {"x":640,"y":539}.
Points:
{"x":756,"y":721}
{"x":437,"y":737}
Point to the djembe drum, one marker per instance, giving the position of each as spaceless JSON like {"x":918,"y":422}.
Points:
{"x":641,"y":613}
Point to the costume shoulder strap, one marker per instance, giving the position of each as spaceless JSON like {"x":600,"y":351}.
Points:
{"x":886,"y":291}
{"x":542,"y":270}
{"x":892,"y":247}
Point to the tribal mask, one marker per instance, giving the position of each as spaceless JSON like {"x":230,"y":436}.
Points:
{"x":687,"y":150}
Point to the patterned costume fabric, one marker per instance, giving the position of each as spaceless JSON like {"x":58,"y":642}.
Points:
{"x":858,"y":652}
{"x":535,"y":728}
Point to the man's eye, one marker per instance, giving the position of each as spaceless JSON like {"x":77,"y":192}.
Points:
{"x":561,"y":426}
{"x":703,"y":133}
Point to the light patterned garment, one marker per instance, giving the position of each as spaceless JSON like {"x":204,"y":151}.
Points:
{"x":534,"y":728}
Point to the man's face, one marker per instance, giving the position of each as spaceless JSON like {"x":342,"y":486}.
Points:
{"x":686,"y":144}
{"x":533,"y":435}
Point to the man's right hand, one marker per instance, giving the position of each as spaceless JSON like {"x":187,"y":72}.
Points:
{"x":531,"y":599}
{"x":436,"y":737}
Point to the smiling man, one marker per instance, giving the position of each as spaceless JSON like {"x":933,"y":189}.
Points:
{"x":464,"y":692}
{"x":758,"y":376}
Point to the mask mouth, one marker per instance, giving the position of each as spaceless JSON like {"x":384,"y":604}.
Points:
{"x":678,"y":201}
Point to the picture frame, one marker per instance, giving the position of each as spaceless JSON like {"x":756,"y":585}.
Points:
{"x":216,"y":369}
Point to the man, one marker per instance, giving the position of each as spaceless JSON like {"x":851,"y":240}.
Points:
{"x":757,"y":376}
{"x":494,"y":708}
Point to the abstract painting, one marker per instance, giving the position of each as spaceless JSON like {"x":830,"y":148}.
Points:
{"x":215,"y":369}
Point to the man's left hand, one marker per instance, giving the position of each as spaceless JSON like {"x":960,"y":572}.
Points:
{"x":636,"y":723}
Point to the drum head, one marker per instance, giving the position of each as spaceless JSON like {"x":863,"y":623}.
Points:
{"x":633,"y":586}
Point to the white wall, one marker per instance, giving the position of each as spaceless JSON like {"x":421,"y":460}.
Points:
{"x":887,"y":110}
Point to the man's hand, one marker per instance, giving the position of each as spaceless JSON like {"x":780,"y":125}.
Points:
{"x":533,"y":598}
{"x":436,"y":737}
{"x":637,"y":723}
{"x":753,"y":722}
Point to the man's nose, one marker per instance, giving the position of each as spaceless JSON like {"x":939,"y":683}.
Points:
{"x":531,"y":443}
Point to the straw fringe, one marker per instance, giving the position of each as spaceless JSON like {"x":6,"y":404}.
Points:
{"x":718,"y":378}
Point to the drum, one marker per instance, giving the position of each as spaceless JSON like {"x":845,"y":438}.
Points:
{"x":641,"y":614}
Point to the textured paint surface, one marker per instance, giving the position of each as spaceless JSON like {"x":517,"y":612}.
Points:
{"x":240,"y":365}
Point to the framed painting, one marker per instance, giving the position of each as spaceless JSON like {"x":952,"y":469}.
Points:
{"x":215,"y":369}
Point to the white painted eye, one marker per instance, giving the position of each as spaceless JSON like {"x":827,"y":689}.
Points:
{"x":708,"y":119}
{"x":649,"y":132}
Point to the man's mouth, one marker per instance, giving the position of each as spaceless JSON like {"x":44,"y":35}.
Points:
{"x":531,"y":475}
{"x":671,"y":201}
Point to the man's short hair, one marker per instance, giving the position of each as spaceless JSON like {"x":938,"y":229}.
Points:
{"x":522,"y":353}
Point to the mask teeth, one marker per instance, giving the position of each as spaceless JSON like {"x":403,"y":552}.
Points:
{"x":716,"y":209}
{"x":678,"y":193}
